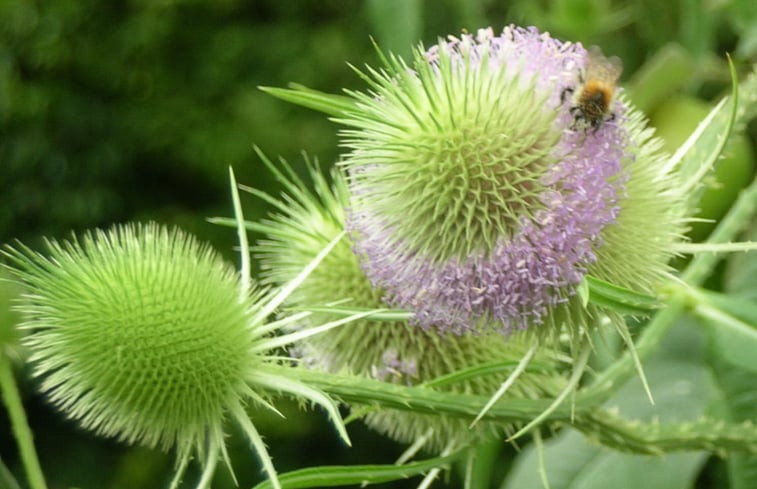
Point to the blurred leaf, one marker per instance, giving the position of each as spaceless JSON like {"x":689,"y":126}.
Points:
{"x":733,"y":325}
{"x":7,"y":481}
{"x":743,"y":17}
{"x":675,"y":119}
{"x":578,"y":19}
{"x":747,"y":48}
{"x":683,"y":389}
{"x":396,"y":24}
{"x":738,"y":385}
{"x":740,"y":395}
{"x":697,"y":155}
{"x":696,"y":26}
{"x":661,"y":76}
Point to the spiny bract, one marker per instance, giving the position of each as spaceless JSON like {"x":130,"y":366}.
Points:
{"x":477,"y":204}
{"x":391,"y":351}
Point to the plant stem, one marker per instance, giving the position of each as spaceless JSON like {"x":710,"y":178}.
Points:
{"x":655,"y":438}
{"x":699,"y":268}
{"x":419,"y":399}
{"x":636,"y":437}
{"x":597,"y":423}
{"x":734,"y":222}
{"x":20,"y":425}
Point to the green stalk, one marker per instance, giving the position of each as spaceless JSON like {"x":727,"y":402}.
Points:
{"x":656,"y":438}
{"x":417,"y":399}
{"x":20,"y":425}
{"x":697,"y":271}
{"x":599,"y":424}
{"x":734,"y":222}
{"x":632,"y":436}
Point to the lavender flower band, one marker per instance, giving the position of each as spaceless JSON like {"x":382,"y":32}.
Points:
{"x":555,"y":205}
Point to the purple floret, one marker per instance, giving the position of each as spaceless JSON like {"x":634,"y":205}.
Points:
{"x":535,"y":268}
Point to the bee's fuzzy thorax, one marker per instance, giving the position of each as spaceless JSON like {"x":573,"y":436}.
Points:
{"x":597,"y":95}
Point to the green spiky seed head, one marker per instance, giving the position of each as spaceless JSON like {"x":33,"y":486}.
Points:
{"x":480,"y":201}
{"x":138,"y":333}
{"x":391,"y":351}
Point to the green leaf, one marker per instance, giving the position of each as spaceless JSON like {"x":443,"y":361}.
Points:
{"x":683,"y":390}
{"x":733,"y":326}
{"x":665,"y":73}
{"x":345,"y":475}
{"x":334,"y":105}
{"x":698,"y":154}
{"x":572,"y":462}
{"x":737,"y":384}
{"x":396,"y":24}
{"x":620,"y":299}
{"x":740,"y":395}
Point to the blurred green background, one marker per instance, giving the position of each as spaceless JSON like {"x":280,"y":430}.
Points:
{"x":134,"y":110}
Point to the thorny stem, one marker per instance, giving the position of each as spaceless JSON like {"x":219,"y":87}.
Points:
{"x":637,"y":437}
{"x":699,"y":268}
{"x":600,"y":424}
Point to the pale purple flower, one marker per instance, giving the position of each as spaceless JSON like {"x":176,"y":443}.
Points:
{"x":541,"y":189}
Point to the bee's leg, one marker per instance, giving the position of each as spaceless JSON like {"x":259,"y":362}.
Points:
{"x":577,"y":114}
{"x":565,"y":91}
{"x":596,"y":124}
{"x":611,"y":117}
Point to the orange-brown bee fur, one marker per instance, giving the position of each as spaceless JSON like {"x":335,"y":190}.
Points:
{"x":593,"y":96}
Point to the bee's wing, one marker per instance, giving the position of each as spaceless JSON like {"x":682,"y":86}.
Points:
{"x":599,"y":67}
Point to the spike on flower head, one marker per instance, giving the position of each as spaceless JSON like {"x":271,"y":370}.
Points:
{"x":110,"y":312}
{"x":477,"y":202}
{"x":144,"y":334}
{"x":390,"y":351}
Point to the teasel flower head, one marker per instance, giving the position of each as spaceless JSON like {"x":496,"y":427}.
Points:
{"x":480,"y":201}
{"x":144,"y":334}
{"x":387,"y":350}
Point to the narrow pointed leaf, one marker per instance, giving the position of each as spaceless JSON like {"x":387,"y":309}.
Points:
{"x":620,"y":299}
{"x":351,"y":475}
{"x":334,"y":105}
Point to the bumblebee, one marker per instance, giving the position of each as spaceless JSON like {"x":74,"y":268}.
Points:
{"x":593,"y":96}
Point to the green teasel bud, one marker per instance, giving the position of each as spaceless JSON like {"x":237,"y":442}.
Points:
{"x":391,"y":351}
{"x":144,"y":334}
{"x":137,"y":333}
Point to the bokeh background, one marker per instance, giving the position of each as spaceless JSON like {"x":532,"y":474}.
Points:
{"x":134,"y":110}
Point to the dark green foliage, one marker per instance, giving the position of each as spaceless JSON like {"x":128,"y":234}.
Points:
{"x":133,"y":109}
{"x":111,"y":111}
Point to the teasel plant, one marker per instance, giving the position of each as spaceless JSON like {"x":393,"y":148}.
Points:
{"x":453,"y":280}
{"x":477,"y":198}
